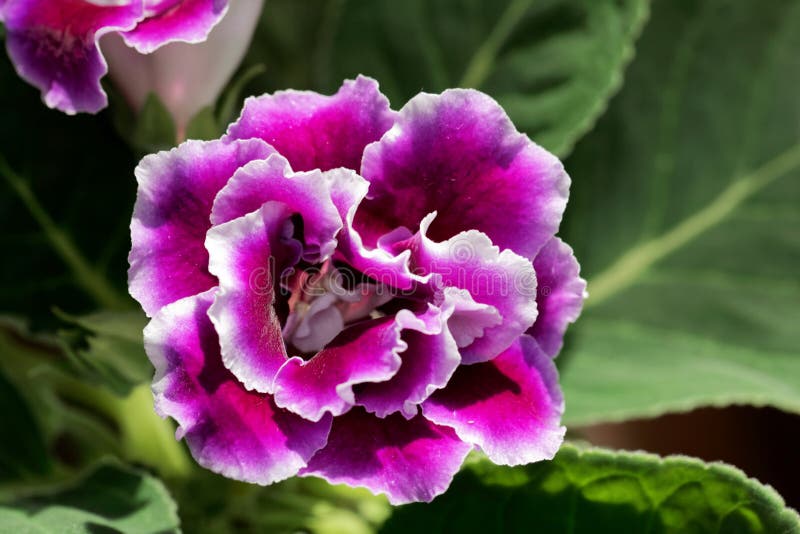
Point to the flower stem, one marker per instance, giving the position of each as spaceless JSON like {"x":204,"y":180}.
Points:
{"x":91,"y":280}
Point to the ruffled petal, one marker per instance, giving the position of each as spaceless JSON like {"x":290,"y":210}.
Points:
{"x":408,"y":460}
{"x":510,"y":407}
{"x":367,"y":352}
{"x":229,"y":430}
{"x":559,"y":296}
{"x":170,"y":21}
{"x":470,"y":319}
{"x":53,"y":45}
{"x":314,"y":131}
{"x":248,"y":255}
{"x":348,"y":189}
{"x":306,"y":193}
{"x":429,"y":360}
{"x":459,"y":154}
{"x":503,"y":280}
{"x":168,"y":259}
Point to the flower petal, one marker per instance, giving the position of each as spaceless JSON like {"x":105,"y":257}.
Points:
{"x":348,"y":189}
{"x":229,"y":430}
{"x":559,"y":295}
{"x":428,"y":361}
{"x":314,"y":131}
{"x":367,"y":352}
{"x":306,"y":193}
{"x":470,"y":319}
{"x":248,"y":255}
{"x":408,"y":460}
{"x":187,"y":21}
{"x":502,"y":280}
{"x":510,"y":407}
{"x":53,"y":45}
{"x":459,"y":154}
{"x":168,"y":258}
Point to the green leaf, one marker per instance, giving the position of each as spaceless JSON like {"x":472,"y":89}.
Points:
{"x":80,"y":420}
{"x":111,"y":498}
{"x":596,"y":491}
{"x":147,"y":130}
{"x":109,"y":347}
{"x":154,"y":128}
{"x":552,"y":64}
{"x":23,"y":452}
{"x":204,"y":125}
{"x":215,"y":505}
{"x":684,"y":215}
{"x":208,"y":124}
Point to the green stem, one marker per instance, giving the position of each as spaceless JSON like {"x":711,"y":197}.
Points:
{"x":92,"y":281}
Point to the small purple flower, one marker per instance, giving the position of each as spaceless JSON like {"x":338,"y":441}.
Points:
{"x":344,"y":291}
{"x":54,"y":43}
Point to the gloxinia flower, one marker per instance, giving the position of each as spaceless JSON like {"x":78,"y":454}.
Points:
{"x":344,"y":291}
{"x":54,"y":43}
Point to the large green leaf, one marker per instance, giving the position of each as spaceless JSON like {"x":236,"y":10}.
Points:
{"x":553,"y":64}
{"x":109,"y":499}
{"x":597,"y":491}
{"x":684,"y":214}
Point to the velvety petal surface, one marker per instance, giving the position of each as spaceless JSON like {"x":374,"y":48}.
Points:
{"x":170,"y":21}
{"x":367,"y":352}
{"x":501,"y":279}
{"x":168,"y":258}
{"x":248,"y":256}
{"x":53,"y":45}
{"x":459,"y":154}
{"x":429,"y":360}
{"x":560,"y":294}
{"x":305,"y":193}
{"x":229,"y":430}
{"x":315,"y":131}
{"x":510,"y":407}
{"x":408,"y":460}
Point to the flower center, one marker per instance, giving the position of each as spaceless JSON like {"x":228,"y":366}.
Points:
{"x":322,"y":304}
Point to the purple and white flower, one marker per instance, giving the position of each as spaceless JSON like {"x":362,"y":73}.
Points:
{"x":345,"y":291}
{"x":54,"y":45}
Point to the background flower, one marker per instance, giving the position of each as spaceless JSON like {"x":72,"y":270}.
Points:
{"x":54,"y":45}
{"x":186,"y":76}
